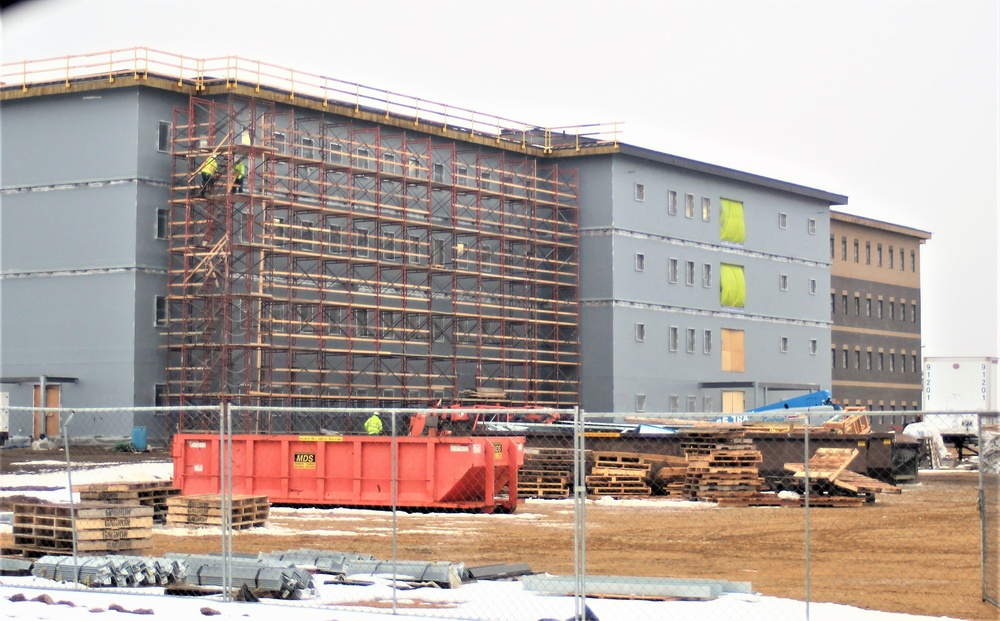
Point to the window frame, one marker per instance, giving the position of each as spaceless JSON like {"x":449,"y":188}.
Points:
{"x":163,"y":131}
{"x":639,"y":190}
{"x":782,"y":220}
{"x":640,"y":332}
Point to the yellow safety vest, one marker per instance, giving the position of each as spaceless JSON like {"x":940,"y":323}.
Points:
{"x":210,"y":166}
{"x":373,"y":425}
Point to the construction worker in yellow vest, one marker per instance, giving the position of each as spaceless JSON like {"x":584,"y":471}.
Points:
{"x":373,"y":425}
{"x":239,"y":174}
{"x":208,"y":172}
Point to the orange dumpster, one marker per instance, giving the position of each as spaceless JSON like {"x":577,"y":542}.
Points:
{"x":446,"y":472}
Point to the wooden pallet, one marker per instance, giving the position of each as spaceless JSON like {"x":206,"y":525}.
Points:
{"x":99,"y":528}
{"x":146,"y":493}
{"x":772,"y":500}
{"x":206,"y":510}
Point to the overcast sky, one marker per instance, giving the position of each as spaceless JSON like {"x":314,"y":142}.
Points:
{"x":891,"y":103}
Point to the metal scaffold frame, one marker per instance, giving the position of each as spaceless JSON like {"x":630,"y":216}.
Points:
{"x":364,"y":265}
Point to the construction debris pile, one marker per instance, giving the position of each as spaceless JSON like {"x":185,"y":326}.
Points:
{"x":721,"y":464}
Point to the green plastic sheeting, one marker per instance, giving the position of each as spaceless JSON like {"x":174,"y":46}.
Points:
{"x":734,"y":286}
{"x":732,"y":228}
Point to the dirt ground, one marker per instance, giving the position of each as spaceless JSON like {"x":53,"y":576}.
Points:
{"x":917,"y":552}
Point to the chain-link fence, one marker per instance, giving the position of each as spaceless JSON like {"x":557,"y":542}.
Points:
{"x":521,"y":514}
{"x":989,"y":504}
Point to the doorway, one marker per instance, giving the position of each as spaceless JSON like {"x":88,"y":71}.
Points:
{"x":46,"y":422}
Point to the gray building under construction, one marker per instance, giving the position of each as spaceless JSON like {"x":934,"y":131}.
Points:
{"x":382,"y":251}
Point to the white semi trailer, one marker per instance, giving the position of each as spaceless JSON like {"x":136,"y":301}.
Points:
{"x":963,"y":385}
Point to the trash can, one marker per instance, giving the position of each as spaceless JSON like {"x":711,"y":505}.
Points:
{"x":138,"y":438}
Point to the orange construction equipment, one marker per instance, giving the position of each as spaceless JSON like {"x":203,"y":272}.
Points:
{"x":465,"y":473}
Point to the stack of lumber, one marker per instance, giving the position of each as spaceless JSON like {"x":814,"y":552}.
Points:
{"x":829,"y":466}
{"x":206,"y":510}
{"x":43,"y":528}
{"x":147,"y":494}
{"x":619,"y":475}
{"x":546,"y":473}
{"x":669,"y":476}
{"x":723,"y":466}
{"x":849,"y":424}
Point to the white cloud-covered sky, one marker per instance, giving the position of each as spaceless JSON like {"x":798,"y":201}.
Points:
{"x":893,"y":103}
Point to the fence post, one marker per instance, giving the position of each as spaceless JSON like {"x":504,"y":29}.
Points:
{"x":579,"y":513}
{"x":72,"y":504}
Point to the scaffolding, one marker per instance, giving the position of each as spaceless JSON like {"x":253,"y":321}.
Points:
{"x":365,"y":265}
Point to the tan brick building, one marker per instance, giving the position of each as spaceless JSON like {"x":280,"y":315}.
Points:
{"x":875,"y":308}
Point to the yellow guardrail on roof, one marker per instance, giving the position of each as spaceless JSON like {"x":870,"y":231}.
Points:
{"x":199,"y":74}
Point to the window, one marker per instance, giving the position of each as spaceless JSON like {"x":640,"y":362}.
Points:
{"x":731,"y":226}
{"x":362,"y":240}
{"x":812,"y":286}
{"x":857,"y":358}
{"x":868,"y":360}
{"x":868,"y":253}
{"x":306,"y":236}
{"x":834,"y":352}
{"x":307,"y":148}
{"x":640,"y":192}
{"x":160,"y":312}
{"x":868,"y":307}
{"x":162,"y":224}
{"x":692,"y":403}
{"x":783,"y":282}
{"x":163,"y":137}
{"x":692,"y":340}
{"x":902,"y":260}
{"x":707,"y":404}
{"x":336,"y":320}
{"x":640,"y":262}
{"x":462,"y":173}
{"x":363,"y":322}
{"x":672,"y":270}
{"x":706,"y":209}
{"x":913,"y":363}
{"x":706,"y":342}
{"x":857,"y":251}
{"x":689,"y":273}
{"x":913,"y":312}
{"x":363,"y":158}
{"x":880,"y":307}
{"x":881,"y":360}
{"x":878,"y":255}
{"x":892,"y":258}
{"x":675,"y":403}
{"x":413,"y":167}
{"x":335,"y":239}
{"x":334,"y":153}
{"x":813,"y":346}
{"x":783,"y":344}
{"x":672,"y":202}
{"x":640,"y":332}
{"x":389,"y":164}
{"x":782,"y":220}
{"x":706,"y":275}
{"x":306,"y":315}
{"x":437,"y":252}
{"x":843,"y":300}
{"x":843,"y":359}
{"x":159,"y":395}
{"x":892,"y":311}
{"x":674,"y":337}
{"x":280,"y":233}
{"x":689,"y":205}
{"x":833,"y":303}
{"x":416,"y":257}
{"x":843,"y":248}
{"x":892,"y":362}
{"x":833,"y":245}
{"x":857,"y":305}
{"x":438,"y":172}
{"x":913,"y":260}
{"x":811,"y":226}
{"x":640,"y":403}
{"x":390,"y":246}
{"x":733,"y":286}
{"x":733,"y":354}
{"x":280,"y":146}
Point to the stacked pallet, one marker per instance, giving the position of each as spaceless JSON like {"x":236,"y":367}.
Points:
{"x":669,"y":478}
{"x":42,"y":528}
{"x":147,"y":494}
{"x":723,"y":465}
{"x":619,"y":475}
{"x":546,"y":473}
{"x":206,"y":510}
